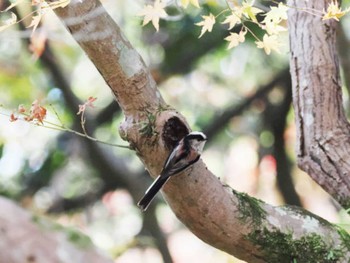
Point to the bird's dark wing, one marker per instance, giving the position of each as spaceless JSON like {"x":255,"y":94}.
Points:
{"x":175,"y":160}
{"x":181,"y":165}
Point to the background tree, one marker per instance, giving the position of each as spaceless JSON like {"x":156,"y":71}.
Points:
{"x":224,"y":218}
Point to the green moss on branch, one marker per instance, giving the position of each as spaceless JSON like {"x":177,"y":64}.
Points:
{"x":282,"y":247}
{"x":250,"y":208}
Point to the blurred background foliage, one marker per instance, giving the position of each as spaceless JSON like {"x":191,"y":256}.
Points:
{"x":240,"y":98}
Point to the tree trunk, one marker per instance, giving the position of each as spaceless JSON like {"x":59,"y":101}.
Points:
{"x":323,"y":135}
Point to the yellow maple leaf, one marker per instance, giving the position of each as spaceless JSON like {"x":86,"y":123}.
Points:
{"x":153,"y":13}
{"x":269,"y":43}
{"x":276,"y":14}
{"x":184,"y":3}
{"x":234,"y":39}
{"x":249,"y":11}
{"x":232,"y":20}
{"x":9,"y":22}
{"x":334,"y":11}
{"x":207,"y":24}
{"x":273,"y":18}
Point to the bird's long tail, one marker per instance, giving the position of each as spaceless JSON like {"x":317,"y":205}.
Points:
{"x":151,"y":192}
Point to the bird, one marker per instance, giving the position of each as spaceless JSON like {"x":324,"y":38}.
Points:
{"x":186,"y":152}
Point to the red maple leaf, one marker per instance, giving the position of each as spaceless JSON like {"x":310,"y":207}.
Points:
{"x":88,"y":103}
{"x":37,"y":112}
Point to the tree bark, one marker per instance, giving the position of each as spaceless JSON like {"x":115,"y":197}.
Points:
{"x":323,"y":135}
{"x":233,"y":222}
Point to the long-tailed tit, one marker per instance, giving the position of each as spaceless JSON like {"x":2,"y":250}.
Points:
{"x":187,"y":151}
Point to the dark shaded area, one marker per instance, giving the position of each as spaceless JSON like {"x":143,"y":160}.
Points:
{"x":284,"y":166}
{"x":184,"y":49}
{"x":276,"y":121}
{"x":173,"y":131}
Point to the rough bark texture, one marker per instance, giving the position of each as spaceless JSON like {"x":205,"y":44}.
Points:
{"x":323,"y":147}
{"x":230,"y":221}
{"x":29,"y":238}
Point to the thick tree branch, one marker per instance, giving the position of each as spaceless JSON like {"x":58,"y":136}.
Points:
{"x":323,"y":144}
{"x":225,"y":219}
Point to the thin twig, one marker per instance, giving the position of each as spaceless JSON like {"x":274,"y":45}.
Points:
{"x":61,"y":127}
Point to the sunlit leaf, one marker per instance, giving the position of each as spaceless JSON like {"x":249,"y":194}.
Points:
{"x":207,"y":24}
{"x":249,"y":11}
{"x":334,"y":11}
{"x":232,"y":20}
{"x":276,"y":14}
{"x":153,"y":13}
{"x":269,"y":43}
{"x":235,"y":39}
